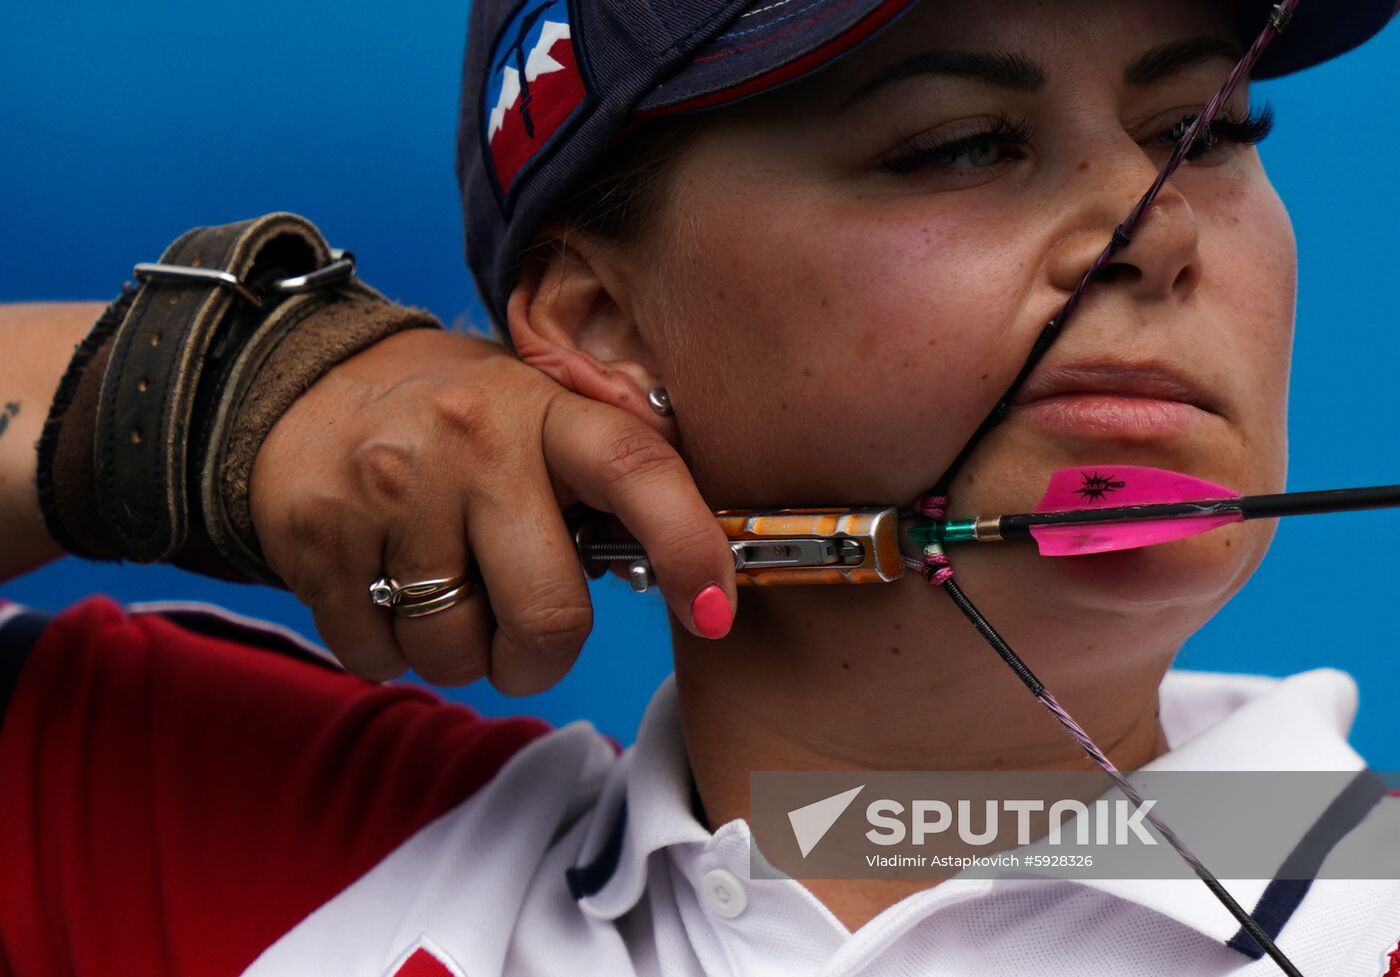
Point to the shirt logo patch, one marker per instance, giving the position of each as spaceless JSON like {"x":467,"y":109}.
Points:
{"x":424,"y":959}
{"x":534,"y":86}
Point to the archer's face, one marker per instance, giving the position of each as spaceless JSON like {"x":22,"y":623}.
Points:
{"x":850,"y":271}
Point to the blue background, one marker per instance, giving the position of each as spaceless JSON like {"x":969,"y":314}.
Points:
{"x":124,"y":124}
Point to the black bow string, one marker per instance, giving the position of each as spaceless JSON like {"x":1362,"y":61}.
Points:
{"x":1193,"y":140}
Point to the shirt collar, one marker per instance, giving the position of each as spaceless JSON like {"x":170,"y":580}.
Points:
{"x":644,"y":807}
{"x":1212,"y":722}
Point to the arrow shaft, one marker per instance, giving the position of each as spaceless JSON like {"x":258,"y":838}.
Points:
{"x":1310,"y":503}
{"x":1019,"y":525}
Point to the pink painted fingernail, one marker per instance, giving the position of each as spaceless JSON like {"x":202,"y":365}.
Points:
{"x":711,"y":612}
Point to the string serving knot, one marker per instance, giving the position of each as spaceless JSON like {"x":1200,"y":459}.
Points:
{"x":938,"y":570}
{"x":933,"y":506}
{"x":935,"y":565}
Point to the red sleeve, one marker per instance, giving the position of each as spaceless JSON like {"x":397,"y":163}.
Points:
{"x":172,"y":802}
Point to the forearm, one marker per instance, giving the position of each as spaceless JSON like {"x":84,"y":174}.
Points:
{"x":36,"y":342}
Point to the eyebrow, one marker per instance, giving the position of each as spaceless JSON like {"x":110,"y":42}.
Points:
{"x":1017,"y":72}
{"x":1005,"y":69}
{"x":1169,"y":59}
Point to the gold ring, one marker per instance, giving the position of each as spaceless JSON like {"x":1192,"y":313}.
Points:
{"x":420,"y":598}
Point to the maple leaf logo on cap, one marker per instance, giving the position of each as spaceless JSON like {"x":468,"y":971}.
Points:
{"x":533,"y":88}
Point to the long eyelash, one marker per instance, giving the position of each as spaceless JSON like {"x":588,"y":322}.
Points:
{"x":912,"y":153}
{"x":1246,"y":130}
{"x":1253,"y":128}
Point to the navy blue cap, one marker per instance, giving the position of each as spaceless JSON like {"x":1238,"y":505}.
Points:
{"x":548,"y":86}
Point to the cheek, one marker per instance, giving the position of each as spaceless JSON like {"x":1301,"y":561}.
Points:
{"x":1251,"y":259}
{"x":868,"y":329}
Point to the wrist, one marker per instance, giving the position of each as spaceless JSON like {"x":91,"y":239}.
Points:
{"x":36,"y":343}
{"x":150,"y":438}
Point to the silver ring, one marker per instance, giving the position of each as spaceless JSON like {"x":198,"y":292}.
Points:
{"x":420,"y":598}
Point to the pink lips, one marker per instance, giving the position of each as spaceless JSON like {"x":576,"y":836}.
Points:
{"x":1110,"y":399}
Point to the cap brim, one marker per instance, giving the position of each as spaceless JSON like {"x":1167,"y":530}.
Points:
{"x":774,"y":42}
{"x":1318,"y":32}
{"x":777,"y":41}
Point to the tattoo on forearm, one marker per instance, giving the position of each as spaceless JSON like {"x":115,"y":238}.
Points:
{"x":10,"y":409}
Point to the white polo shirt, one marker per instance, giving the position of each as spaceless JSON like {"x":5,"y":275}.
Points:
{"x":575,"y":861}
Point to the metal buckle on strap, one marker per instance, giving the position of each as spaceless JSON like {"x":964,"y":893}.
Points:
{"x":340,"y":268}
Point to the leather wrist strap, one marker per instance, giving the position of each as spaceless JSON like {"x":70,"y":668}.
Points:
{"x":175,"y":332}
{"x":67,"y":488}
{"x":148,"y":446}
{"x":290,"y":350}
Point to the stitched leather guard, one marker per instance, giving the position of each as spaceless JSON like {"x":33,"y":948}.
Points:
{"x":148,"y":447}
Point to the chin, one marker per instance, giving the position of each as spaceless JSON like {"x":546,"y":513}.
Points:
{"x":1204,"y":571}
{"x":1196,"y":575}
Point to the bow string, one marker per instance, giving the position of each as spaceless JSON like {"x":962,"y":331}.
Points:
{"x":937,"y":568}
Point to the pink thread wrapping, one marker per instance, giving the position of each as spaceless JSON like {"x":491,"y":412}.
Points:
{"x":938,"y":570}
{"x":933,"y":506}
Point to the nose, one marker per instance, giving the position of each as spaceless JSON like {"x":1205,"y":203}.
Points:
{"x":1161,"y":261}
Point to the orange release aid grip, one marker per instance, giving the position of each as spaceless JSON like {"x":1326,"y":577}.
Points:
{"x":875,"y":529}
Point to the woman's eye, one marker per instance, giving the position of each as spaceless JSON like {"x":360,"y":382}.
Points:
{"x":979,"y":151}
{"x":982,"y":151}
{"x":1002,"y":140}
{"x":1226,"y":130}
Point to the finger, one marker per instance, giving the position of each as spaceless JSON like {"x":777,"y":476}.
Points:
{"x":362,"y":641}
{"x":538,"y":591}
{"x":414,"y":494}
{"x":618,"y":464}
{"x":450,"y":646}
{"x":328,"y":560}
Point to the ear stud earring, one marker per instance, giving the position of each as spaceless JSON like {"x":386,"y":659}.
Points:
{"x":660,"y":401}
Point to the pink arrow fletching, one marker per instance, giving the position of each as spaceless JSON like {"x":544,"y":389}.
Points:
{"x":1111,"y":486}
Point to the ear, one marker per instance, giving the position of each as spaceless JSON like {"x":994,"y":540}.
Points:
{"x":568,"y":317}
